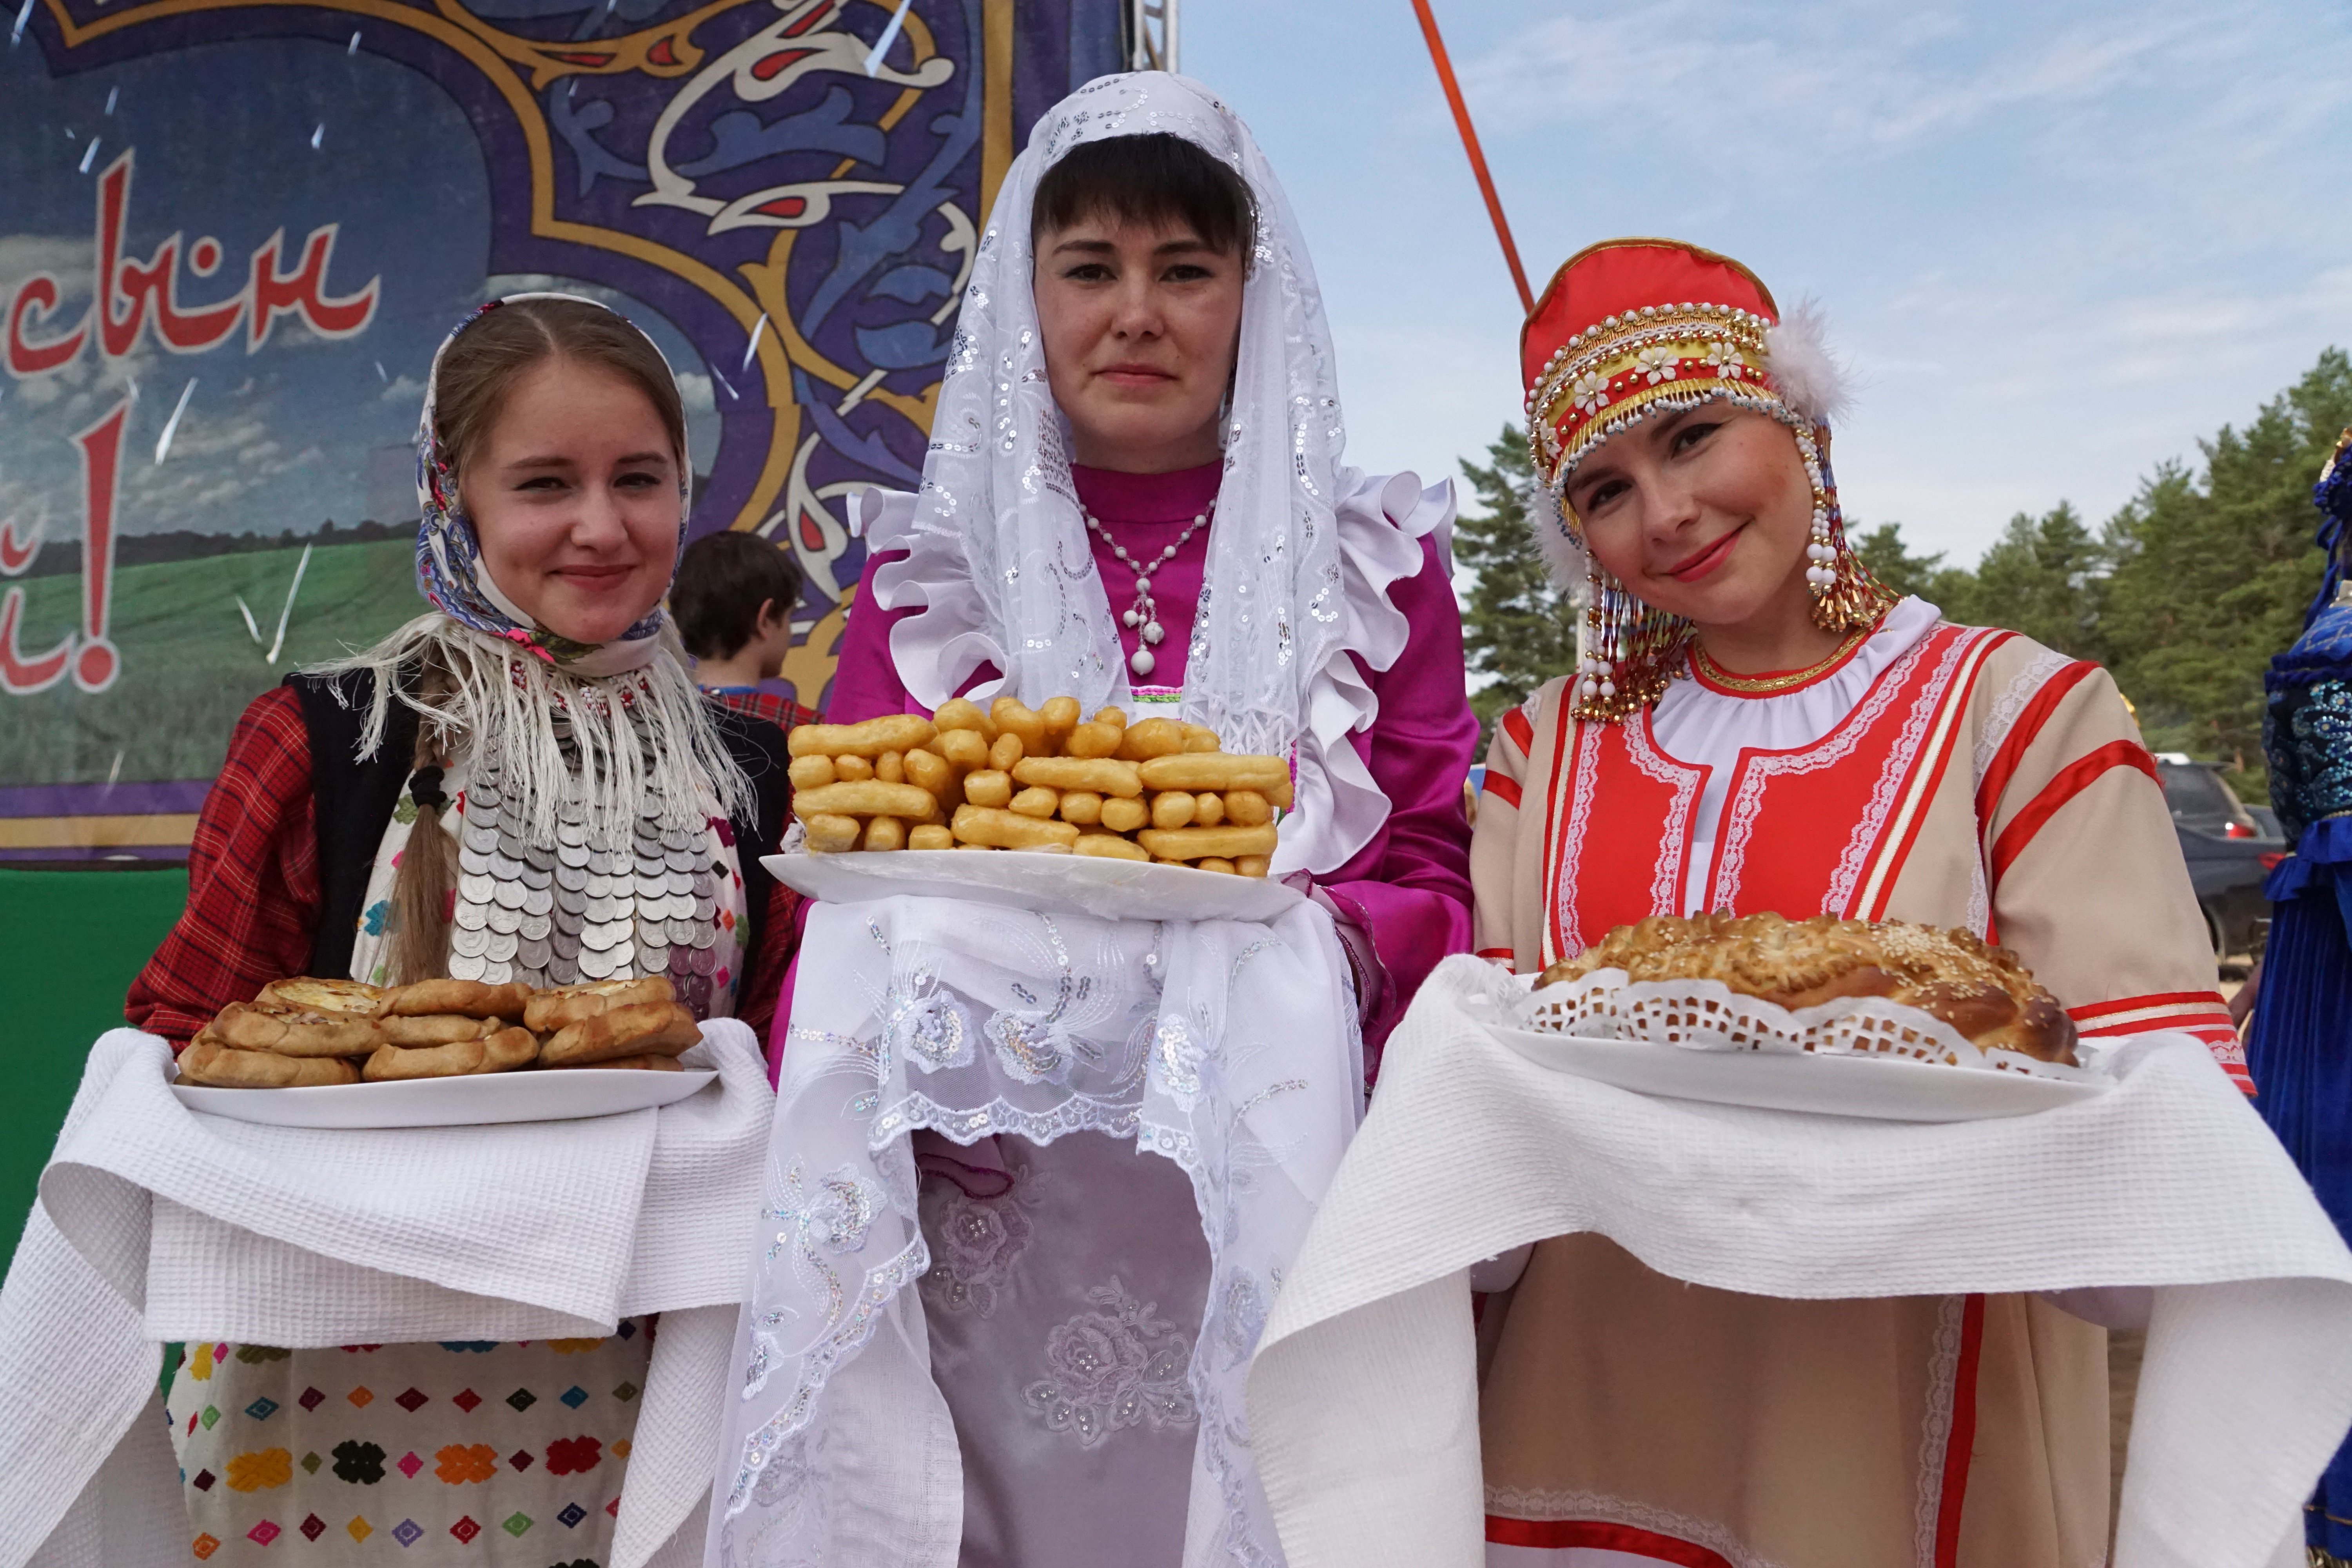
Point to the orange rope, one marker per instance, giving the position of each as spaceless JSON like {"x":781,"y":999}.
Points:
{"x":1470,"y":145}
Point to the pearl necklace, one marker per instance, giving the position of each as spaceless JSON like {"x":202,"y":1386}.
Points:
{"x":1145,"y":611}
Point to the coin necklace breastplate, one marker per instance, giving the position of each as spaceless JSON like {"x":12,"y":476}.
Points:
{"x":593,"y":905}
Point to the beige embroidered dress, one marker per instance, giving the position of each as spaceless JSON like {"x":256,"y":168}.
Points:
{"x":1955,"y":775}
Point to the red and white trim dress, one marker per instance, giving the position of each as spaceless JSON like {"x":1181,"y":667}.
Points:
{"x":1953,"y":775}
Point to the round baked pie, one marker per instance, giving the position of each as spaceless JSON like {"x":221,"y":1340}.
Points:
{"x":1981,"y":992}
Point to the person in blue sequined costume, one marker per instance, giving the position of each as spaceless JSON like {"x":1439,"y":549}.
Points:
{"x":2300,"y":1050}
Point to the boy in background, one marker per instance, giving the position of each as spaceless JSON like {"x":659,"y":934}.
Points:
{"x":733,"y":603}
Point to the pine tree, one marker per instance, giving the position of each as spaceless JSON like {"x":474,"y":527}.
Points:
{"x":2044,"y":577}
{"x":2212,"y":572}
{"x":1517,"y":629}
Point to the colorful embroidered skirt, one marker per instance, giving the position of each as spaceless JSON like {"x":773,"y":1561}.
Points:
{"x":501,"y":1455}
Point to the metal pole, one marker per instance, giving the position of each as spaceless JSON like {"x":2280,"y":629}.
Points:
{"x":1168,"y":9}
{"x":1470,"y":145}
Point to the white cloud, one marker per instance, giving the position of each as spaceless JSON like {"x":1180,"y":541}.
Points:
{"x":404,"y":389}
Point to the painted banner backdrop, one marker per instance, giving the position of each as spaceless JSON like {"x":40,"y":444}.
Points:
{"x":233,"y":232}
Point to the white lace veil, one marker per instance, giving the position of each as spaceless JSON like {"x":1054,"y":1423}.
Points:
{"x":999,"y":553}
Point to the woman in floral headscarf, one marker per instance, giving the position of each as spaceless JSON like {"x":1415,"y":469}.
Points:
{"x":454,"y":801}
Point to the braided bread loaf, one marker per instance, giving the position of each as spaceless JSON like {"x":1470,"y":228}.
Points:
{"x":1983,"y":992}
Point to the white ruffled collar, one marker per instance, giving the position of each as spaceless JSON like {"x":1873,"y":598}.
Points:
{"x":1380,"y":522}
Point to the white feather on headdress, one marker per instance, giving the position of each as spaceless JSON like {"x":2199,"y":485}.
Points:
{"x":1563,"y":557}
{"x":1798,"y":359}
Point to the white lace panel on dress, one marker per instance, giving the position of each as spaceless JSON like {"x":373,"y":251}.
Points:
{"x":1097,"y":1145}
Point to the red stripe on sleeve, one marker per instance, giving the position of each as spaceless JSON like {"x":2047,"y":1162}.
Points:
{"x":2189,"y":999}
{"x":1598,"y":1535}
{"x":1522,"y":733}
{"x":2073,"y":780}
{"x":1502,"y":789}
{"x":2021,"y":734}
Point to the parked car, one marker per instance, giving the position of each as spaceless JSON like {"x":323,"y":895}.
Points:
{"x":2228,"y":850}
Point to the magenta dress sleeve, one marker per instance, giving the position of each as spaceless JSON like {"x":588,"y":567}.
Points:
{"x":1408,"y":891}
{"x":865,"y":683}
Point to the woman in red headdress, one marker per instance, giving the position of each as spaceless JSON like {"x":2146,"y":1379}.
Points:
{"x":1758,"y":724}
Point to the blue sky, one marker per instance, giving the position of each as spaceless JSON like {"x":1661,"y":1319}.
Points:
{"x":2055,"y":243}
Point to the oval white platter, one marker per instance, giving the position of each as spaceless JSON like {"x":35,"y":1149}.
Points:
{"x":1043,"y":884}
{"x":558,"y":1095}
{"x":1873,"y":1087}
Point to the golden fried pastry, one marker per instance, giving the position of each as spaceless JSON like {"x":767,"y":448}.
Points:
{"x":632,"y":1064}
{"x":1123,"y":816}
{"x":1014,"y":717}
{"x":472,"y":998}
{"x":440,"y":1029}
{"x":208,"y":1062}
{"x":1093,"y":738}
{"x":962,"y":714}
{"x":1007,"y":830}
{"x":1100,"y":775}
{"x":644,"y":1028}
{"x":964,"y":749}
{"x":831,"y":834}
{"x":1269,"y":776}
{"x":1109,"y":846}
{"x":989,"y":788}
{"x":566,"y":1004}
{"x":294,"y":1031}
{"x":1152,"y":738}
{"x":456,"y":1060}
{"x":1201,"y":843}
{"x":930,"y":836}
{"x":1983,"y":992}
{"x":893,"y":733}
{"x":868,"y":797}
{"x":341,"y":998}
{"x":509,"y":1048}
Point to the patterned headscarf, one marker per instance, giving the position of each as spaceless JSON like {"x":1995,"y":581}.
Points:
{"x":449,"y":571}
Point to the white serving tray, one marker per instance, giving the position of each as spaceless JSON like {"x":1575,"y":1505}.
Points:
{"x":548,"y":1095}
{"x":1879,"y":1087}
{"x":1041,"y":883}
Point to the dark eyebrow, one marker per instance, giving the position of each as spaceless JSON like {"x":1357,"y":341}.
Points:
{"x":552,"y":461}
{"x":1189,"y":245}
{"x":1091,"y":247}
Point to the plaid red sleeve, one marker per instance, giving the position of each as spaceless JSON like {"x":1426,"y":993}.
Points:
{"x":763,"y":978}
{"x":776,"y":709}
{"x":253,"y":879}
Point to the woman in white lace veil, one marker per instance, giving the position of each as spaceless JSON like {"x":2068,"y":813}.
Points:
{"x":1132,"y":498}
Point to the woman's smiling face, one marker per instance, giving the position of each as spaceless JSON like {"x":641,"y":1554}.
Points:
{"x":1704,"y":513}
{"x":574,"y":497}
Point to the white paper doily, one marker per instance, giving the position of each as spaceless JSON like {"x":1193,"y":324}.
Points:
{"x":1709,"y":1015}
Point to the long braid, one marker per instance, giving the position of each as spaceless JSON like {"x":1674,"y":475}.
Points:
{"x":427,"y":873}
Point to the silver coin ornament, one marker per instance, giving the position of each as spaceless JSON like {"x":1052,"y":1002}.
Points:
{"x":586,"y":905}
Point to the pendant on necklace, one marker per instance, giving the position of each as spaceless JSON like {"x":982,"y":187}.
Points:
{"x":1142,"y":616}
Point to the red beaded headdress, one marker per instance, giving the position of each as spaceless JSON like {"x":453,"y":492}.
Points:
{"x":1632,"y":326}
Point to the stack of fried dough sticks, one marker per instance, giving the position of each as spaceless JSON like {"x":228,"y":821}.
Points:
{"x":1013,"y":777}
{"x":300,"y":1033}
